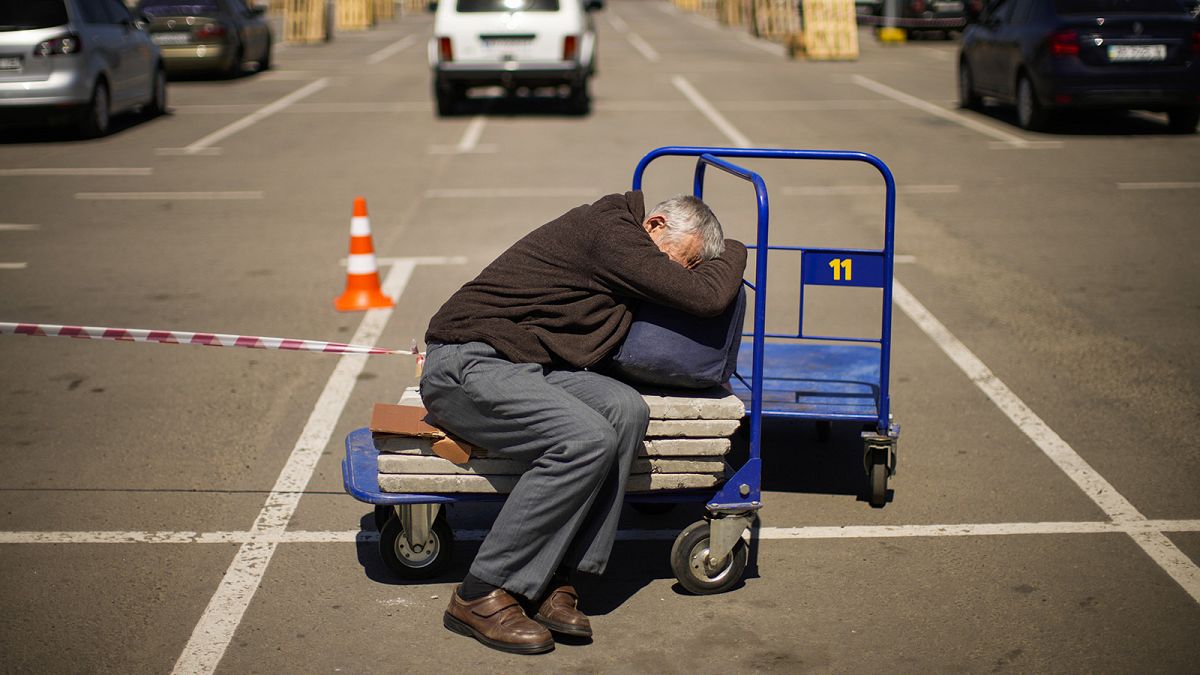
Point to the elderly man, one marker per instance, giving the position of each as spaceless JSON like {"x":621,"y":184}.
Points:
{"x":508,"y":368}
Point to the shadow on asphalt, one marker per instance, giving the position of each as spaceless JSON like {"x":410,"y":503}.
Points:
{"x":1088,"y":123}
{"x":61,"y":129}
{"x":531,"y":105}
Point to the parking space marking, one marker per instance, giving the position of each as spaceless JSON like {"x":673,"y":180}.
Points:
{"x":470,"y":137}
{"x":866,"y":190}
{"x":767,"y":533}
{"x":809,"y":106}
{"x":493,"y":193}
{"x":391,"y":50}
{"x":224,"y":612}
{"x":169,"y":196}
{"x":256,"y":116}
{"x":13,"y":265}
{"x":18,"y":227}
{"x":617,"y":22}
{"x":80,"y":171}
{"x":1009,"y":140}
{"x":1096,"y":487}
{"x":1158,"y":186}
{"x":642,"y":46}
{"x":736,"y":137}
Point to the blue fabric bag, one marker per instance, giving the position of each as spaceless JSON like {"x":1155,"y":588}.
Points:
{"x":670,"y":348}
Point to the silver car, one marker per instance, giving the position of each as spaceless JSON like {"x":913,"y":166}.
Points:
{"x":82,"y":60}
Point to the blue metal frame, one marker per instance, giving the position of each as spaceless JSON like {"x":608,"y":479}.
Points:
{"x":743,"y":490}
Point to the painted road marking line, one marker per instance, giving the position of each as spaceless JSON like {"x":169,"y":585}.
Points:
{"x":391,"y":50}
{"x":642,"y":46}
{"x":470,"y":137}
{"x":1158,"y":186}
{"x":806,"y":106}
{"x":156,"y":196}
{"x":224,"y":612}
{"x":334,"y":107}
{"x":864,"y":190}
{"x":256,"y":116}
{"x":768,"y":533}
{"x":1120,"y":510}
{"x":80,"y":171}
{"x":203,"y":152}
{"x":1010,"y":140}
{"x":771,"y":47}
{"x":706,"y":108}
{"x":13,"y":265}
{"x":419,"y":260}
{"x":481,"y":149}
{"x":904,"y":259}
{"x":18,"y":227}
{"x":492,"y":193}
{"x":617,"y":22}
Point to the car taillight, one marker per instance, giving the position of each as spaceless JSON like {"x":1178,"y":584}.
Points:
{"x":570,"y":45}
{"x":1196,"y":42}
{"x":1064,"y":43}
{"x":210,"y":30}
{"x":445,"y":50}
{"x":67,"y":44}
{"x":917,"y":6}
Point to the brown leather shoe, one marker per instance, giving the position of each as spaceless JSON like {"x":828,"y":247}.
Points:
{"x":559,"y":613}
{"x":497,"y":621}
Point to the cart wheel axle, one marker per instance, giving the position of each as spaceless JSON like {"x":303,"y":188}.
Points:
{"x":695,"y":568}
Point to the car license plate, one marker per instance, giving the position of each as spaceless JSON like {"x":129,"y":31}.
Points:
{"x":170,"y":38}
{"x":948,"y":6}
{"x":1118,"y":53}
{"x":10,"y":63}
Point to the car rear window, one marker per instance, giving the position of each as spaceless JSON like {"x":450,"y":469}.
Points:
{"x":30,"y":14}
{"x":507,"y":5}
{"x":1101,"y":7}
{"x":178,"y":7}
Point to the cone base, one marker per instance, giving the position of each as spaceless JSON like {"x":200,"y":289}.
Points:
{"x":357,"y":300}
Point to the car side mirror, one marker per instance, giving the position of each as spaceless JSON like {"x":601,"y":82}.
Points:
{"x":257,"y":10}
{"x":593,"y":5}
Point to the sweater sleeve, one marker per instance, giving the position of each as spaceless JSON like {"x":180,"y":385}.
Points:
{"x":629,"y":264}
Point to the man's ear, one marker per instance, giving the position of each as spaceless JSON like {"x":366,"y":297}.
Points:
{"x":654,"y":222}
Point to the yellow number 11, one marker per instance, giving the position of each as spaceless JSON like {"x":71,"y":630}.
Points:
{"x":839,"y":264}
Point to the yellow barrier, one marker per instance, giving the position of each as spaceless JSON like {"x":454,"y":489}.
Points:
{"x":830,"y":30}
{"x":355,"y":14}
{"x":304,"y":21}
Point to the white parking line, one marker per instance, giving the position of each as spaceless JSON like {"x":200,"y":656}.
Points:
{"x":18,"y":227}
{"x":492,"y":193}
{"x":470,"y":137}
{"x":155,"y":196}
{"x":642,"y":46}
{"x":1158,"y":186}
{"x":1120,"y":510}
{"x":864,"y":190}
{"x":766,"y":533}
{"x":80,"y":171}
{"x":221,"y":617}
{"x":617,"y":22}
{"x":736,"y":137}
{"x":255,"y":117}
{"x":391,"y":50}
{"x":1008,"y":139}
{"x":13,"y":265}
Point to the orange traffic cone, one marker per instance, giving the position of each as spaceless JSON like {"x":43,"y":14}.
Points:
{"x":362,"y":274}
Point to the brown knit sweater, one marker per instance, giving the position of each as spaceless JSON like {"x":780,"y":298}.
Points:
{"x":563,"y":294}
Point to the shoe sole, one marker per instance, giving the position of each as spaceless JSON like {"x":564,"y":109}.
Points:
{"x":565,"y":629}
{"x":463,"y":629}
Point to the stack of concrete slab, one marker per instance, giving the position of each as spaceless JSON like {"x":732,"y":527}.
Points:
{"x":685,"y":447}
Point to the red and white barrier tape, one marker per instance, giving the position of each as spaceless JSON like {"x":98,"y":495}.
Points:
{"x":176,"y":337}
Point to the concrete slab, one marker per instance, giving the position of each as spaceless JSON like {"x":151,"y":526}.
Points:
{"x":414,"y":464}
{"x":390,"y":482}
{"x":708,"y":404}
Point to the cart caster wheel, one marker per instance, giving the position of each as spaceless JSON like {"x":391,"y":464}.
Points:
{"x":879,"y":481}
{"x":383,"y":512}
{"x":689,"y":562}
{"x":422,"y":561}
{"x":653,"y":508}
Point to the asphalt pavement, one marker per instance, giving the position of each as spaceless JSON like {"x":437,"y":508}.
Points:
{"x":177,"y":508}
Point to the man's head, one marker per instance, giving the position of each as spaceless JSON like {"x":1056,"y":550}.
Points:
{"x":685,"y":229}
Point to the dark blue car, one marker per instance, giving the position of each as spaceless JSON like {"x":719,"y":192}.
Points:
{"x":1048,"y":55}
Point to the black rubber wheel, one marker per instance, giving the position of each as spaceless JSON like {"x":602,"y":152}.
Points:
{"x":1031,"y":114}
{"x":97,"y":115}
{"x":422,"y":561}
{"x":265,"y":62}
{"x":579,"y":101}
{"x":653,"y":508}
{"x":688,"y":556}
{"x":235,"y":67}
{"x":1183,"y":120}
{"x":879,"y":481}
{"x":383,"y":512}
{"x":158,"y":94}
{"x":967,"y":98}
{"x":446,"y":96}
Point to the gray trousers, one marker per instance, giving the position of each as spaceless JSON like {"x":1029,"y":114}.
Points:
{"x":580,"y":431}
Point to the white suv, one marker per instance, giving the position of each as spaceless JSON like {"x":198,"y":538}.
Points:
{"x":513,"y":43}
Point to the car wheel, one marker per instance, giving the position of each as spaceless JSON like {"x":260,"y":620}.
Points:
{"x":1183,"y":120}
{"x":97,"y":115}
{"x":1031,"y":114}
{"x":446,"y":97}
{"x":235,"y":66}
{"x":967,"y":98}
{"x":265,"y":62}
{"x":158,"y":94}
{"x":579,"y":101}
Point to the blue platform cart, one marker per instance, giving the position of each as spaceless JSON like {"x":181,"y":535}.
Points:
{"x":796,"y":375}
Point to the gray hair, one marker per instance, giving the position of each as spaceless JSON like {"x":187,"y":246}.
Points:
{"x":686,"y":215}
